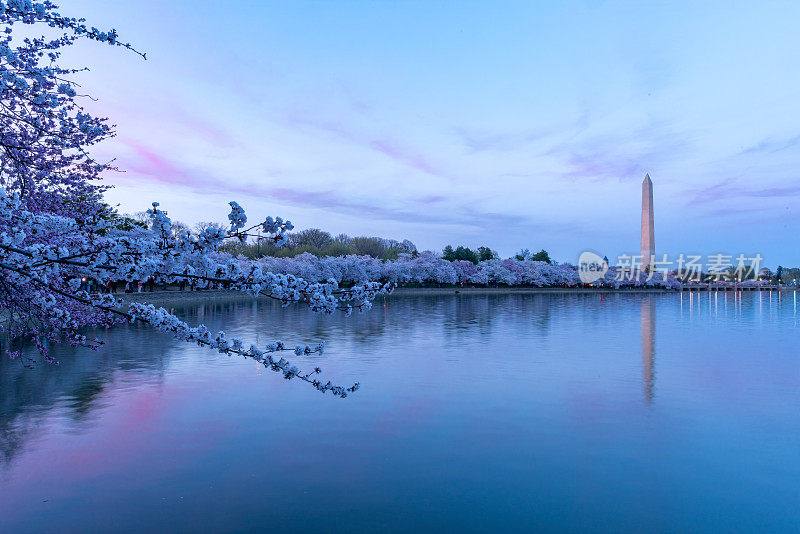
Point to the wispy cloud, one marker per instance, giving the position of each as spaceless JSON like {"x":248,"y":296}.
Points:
{"x":737,"y":211}
{"x":603,"y":166}
{"x":772,"y":145}
{"x":728,"y":189}
{"x":477,"y":140}
{"x":393,"y":149}
{"x":620,"y":157}
{"x":431,"y":199}
{"x":581,"y":151}
{"x":483,"y":141}
{"x":205,"y":129}
{"x":146,"y":163}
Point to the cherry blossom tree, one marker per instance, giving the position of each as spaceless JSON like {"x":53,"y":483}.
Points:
{"x":46,"y":134}
{"x":429,"y":268}
{"x":56,"y":233}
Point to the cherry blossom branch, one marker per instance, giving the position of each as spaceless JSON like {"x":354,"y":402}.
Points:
{"x":166,"y":322}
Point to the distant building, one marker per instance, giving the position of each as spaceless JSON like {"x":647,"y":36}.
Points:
{"x":648,"y":230}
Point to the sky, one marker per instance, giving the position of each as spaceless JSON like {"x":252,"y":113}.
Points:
{"x":507,"y":124}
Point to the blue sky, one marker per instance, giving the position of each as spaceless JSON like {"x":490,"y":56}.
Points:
{"x":512,"y":124}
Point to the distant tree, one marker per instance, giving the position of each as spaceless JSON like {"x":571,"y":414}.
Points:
{"x":128,"y":222}
{"x":791,"y":275}
{"x":408,"y":247}
{"x":523,"y":255}
{"x":237,"y":249}
{"x":778,"y":275}
{"x":391,"y":253}
{"x":368,"y":246}
{"x":337,"y":248}
{"x":542,"y":255}
{"x":461,"y":253}
{"x":485,"y":253}
{"x":202,"y":226}
{"x":307,"y":249}
{"x":142,"y":218}
{"x":179,"y":228}
{"x":390,"y":243}
{"x":465,"y":253}
{"x":320,"y":244}
{"x":313,"y":237}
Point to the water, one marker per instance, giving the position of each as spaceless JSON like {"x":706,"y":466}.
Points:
{"x":570,"y":413}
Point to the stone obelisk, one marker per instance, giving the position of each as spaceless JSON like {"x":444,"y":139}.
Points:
{"x":648,"y":231}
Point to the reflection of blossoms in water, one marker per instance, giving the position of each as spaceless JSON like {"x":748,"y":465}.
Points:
{"x":79,"y":385}
{"x":165,"y":322}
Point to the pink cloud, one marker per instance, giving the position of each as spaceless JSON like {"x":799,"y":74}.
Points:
{"x":392,"y":149}
{"x":726,"y":189}
{"x":151,"y":164}
{"x":596,"y":167}
{"x":157,"y":168}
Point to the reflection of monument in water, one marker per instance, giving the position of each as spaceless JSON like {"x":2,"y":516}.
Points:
{"x":648,"y":305}
{"x":648,"y":228}
{"x":648,"y":348}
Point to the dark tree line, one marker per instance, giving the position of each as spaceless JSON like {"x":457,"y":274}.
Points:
{"x":542,"y":255}
{"x":465,"y":253}
{"x":321,"y":243}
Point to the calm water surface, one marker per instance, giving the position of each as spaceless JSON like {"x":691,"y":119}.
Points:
{"x":616,"y":413}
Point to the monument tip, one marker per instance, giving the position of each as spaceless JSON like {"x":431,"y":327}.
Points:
{"x":647,"y":177}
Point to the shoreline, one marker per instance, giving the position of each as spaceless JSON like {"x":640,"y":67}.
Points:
{"x":180,"y":298}
{"x":218,"y":295}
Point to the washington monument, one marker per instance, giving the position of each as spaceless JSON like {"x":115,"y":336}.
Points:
{"x":648,"y":231}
